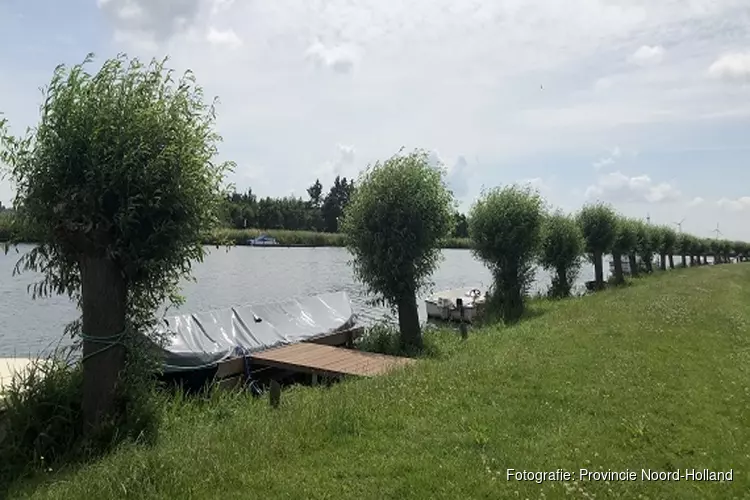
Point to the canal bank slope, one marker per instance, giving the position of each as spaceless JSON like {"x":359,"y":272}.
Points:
{"x":652,"y":376}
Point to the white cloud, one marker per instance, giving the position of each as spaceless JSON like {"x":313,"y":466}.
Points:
{"x":696,"y":202}
{"x":157,"y":19}
{"x":618,"y":187}
{"x":608,"y":159}
{"x":648,"y":55}
{"x":731,"y":67}
{"x":226,"y":38}
{"x":340,"y":59}
{"x":343,"y":164}
{"x":602,"y":84}
{"x":537,"y":183}
{"x":735,"y":205}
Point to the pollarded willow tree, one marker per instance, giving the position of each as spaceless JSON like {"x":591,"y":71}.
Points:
{"x":666,"y":248}
{"x":646,"y":244}
{"x":683,"y":247}
{"x":120,"y":180}
{"x":560,"y":252}
{"x":394,"y":226}
{"x":625,"y":243}
{"x":599,"y":225}
{"x":505,"y":227}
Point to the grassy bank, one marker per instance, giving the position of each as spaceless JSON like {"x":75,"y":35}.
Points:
{"x":240,"y":237}
{"x":655,"y":375}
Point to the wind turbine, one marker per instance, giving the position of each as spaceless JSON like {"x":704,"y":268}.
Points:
{"x":717,"y":231}
{"x":648,"y":218}
{"x":679,"y":224}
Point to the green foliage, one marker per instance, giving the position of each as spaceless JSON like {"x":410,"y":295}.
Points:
{"x":599,"y":226}
{"x":646,"y":245}
{"x":395,"y":224}
{"x":684,"y":244}
{"x":384,"y":338}
{"x":560,"y":252}
{"x":41,"y":426}
{"x":505,"y":227}
{"x":121,"y":164}
{"x":626,"y":238}
{"x":667,"y":239}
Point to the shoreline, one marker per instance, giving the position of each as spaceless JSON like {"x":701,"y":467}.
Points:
{"x":285,"y":239}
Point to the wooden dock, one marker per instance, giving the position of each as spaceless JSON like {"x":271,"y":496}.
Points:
{"x":327,"y":361}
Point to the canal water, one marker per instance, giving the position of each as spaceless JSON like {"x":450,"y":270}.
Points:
{"x":240,"y":275}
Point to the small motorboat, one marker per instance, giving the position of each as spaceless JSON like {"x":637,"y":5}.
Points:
{"x":263,"y":241}
{"x":444,"y":305}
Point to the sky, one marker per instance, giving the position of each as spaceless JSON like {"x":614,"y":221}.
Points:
{"x":641,"y":104}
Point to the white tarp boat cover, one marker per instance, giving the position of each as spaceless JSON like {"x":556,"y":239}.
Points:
{"x":201,"y":340}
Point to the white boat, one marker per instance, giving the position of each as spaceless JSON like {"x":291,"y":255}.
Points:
{"x":443,"y":304}
{"x":200,"y":340}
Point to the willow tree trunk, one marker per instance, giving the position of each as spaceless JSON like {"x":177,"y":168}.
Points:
{"x":408,"y":323}
{"x":671,"y":261}
{"x":705,"y":260}
{"x":634,"y":271}
{"x":684,"y":260}
{"x":663,"y":262}
{"x":562,"y":288}
{"x":617,"y":262}
{"x":599,"y":270}
{"x":692,"y":260}
{"x":104,"y":301}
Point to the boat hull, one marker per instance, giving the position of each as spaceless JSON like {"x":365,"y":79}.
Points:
{"x":443,"y":305}
{"x":202,"y":340}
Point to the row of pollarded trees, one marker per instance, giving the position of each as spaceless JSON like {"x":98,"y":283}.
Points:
{"x":402,"y":210}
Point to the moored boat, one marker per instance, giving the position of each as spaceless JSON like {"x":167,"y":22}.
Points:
{"x":444,"y":306}
{"x":203,"y":340}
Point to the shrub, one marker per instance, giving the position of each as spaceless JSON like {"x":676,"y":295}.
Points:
{"x":598,"y":223}
{"x":625,"y":243}
{"x":646,"y":244}
{"x":505,"y":227}
{"x":394,"y":227}
{"x":560,"y":252}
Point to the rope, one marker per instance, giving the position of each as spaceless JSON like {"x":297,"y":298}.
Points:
{"x":108,"y":342}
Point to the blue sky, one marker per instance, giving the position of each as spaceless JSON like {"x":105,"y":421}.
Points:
{"x":645,"y":105}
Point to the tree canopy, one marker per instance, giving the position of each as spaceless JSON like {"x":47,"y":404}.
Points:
{"x":394,"y":224}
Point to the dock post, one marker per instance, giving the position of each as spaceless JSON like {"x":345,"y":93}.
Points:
{"x":275,"y":394}
{"x":462,"y":324}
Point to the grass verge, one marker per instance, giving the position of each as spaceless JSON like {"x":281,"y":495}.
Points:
{"x":651,"y":376}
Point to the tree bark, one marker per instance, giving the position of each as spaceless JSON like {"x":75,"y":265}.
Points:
{"x":671,"y":261}
{"x":617,"y":261}
{"x":104,"y":301}
{"x":692,"y":260}
{"x":634,"y":271}
{"x":663,"y":262}
{"x":563,"y":287}
{"x":599,"y":270}
{"x":684,"y":260}
{"x":408,"y":323}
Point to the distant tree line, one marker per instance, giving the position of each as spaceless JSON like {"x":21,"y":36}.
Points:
{"x":319,"y":212}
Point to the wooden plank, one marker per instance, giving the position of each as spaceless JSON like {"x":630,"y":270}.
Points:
{"x":236,"y":366}
{"x":326,"y":360}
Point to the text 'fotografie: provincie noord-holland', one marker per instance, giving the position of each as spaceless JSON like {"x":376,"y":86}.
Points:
{"x":701,"y":475}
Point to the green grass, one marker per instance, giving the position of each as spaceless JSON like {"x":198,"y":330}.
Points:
{"x":240,"y":237}
{"x":655,"y":375}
